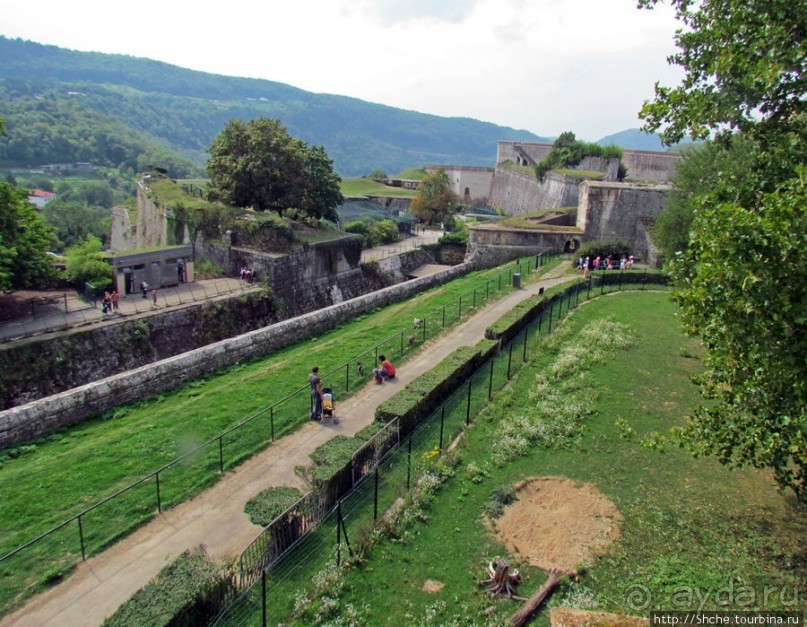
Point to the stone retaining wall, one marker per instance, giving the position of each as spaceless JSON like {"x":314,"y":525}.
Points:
{"x":47,"y":415}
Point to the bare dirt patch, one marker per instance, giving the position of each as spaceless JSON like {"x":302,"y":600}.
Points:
{"x":432,"y":586}
{"x":557,"y":523}
{"x":564,"y":617}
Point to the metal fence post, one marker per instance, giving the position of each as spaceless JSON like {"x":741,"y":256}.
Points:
{"x":490,"y":379}
{"x":444,"y":317}
{"x":402,"y":334}
{"x":442,"y":422}
{"x":424,"y":328}
{"x":81,"y":538}
{"x":159,"y":500}
{"x":263,"y":595}
{"x":602,"y":284}
{"x":272,"y":420}
{"x":551,"y":309}
{"x":468,"y":406}
{"x":375,"y":495}
{"x":347,"y":368}
{"x":339,"y":533}
{"x":65,"y":303}
{"x":459,"y":312}
{"x":588,"y":292}
{"x":509,"y":359}
{"x":526,"y":333}
{"x":409,"y":463}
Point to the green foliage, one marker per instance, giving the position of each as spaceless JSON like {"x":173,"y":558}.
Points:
{"x":24,"y":242}
{"x":360,"y":228}
{"x":435,"y":200}
{"x":614,"y":248}
{"x":383,"y":232}
{"x":187,"y":591}
{"x":458,"y":235}
{"x":737,"y":291}
{"x":86,"y":263}
{"x":706,"y":168}
{"x":333,"y":456}
{"x":567,"y":151}
{"x":744,"y":71}
{"x":268,"y":504}
{"x":500,"y":498}
{"x":259,"y":165}
{"x":378,"y":175}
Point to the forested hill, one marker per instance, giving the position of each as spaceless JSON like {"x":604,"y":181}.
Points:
{"x":63,"y":105}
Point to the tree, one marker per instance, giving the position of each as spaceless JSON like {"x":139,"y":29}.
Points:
{"x":259,"y":165}
{"x":711,"y":167}
{"x":740,"y":282}
{"x":435,"y":200}
{"x":323,"y":194}
{"x":86,"y":263}
{"x":24,"y":242}
{"x":72,"y":221}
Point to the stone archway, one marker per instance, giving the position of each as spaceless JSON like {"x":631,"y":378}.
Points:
{"x":571,"y":246}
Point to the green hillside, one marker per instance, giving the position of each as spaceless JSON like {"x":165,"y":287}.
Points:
{"x":63,"y":105}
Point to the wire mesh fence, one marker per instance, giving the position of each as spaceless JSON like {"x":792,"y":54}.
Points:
{"x":384,"y":471}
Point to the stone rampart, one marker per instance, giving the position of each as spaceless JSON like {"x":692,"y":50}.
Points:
{"x":46,"y":415}
{"x":621,"y":211}
{"x":651,"y":166}
{"x":517,"y":193}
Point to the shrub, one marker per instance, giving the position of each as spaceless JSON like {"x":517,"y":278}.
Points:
{"x":188,"y":591}
{"x":614,"y":248}
{"x":268,"y":504}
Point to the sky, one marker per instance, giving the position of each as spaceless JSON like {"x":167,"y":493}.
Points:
{"x":546,"y":66}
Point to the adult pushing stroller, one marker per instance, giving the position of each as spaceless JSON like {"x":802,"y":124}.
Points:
{"x":328,"y":406}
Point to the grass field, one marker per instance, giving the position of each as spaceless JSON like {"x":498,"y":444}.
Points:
{"x":49,"y":480}
{"x":352,"y":188}
{"x":694,"y":534}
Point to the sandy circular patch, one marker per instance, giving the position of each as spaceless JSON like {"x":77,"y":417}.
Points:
{"x":557,"y":523}
{"x":433,"y":586}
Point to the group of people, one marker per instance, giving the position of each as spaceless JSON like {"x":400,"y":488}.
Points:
{"x":586,"y":264}
{"x":247,"y":275}
{"x":110,"y":302}
{"x":384,"y":371}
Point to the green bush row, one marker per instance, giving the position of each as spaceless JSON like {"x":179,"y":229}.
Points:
{"x":189,"y":591}
{"x":423,"y":395}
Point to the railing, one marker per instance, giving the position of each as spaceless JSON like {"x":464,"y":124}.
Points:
{"x":131,"y":304}
{"x":387,"y":466}
{"x":136,"y":503}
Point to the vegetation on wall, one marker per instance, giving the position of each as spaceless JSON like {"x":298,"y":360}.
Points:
{"x":567,"y":151}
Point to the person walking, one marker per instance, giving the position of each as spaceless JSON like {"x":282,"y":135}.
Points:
{"x":144,"y":287}
{"x":316,"y":393}
{"x":115,"y":301}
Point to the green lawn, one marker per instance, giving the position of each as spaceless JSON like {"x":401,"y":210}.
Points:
{"x":352,"y":188}
{"x":50,"y":480}
{"x":694,"y":533}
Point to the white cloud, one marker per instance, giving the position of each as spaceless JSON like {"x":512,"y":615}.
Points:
{"x":546,"y":66}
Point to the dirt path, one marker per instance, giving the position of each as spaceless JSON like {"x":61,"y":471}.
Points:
{"x":216,"y":517}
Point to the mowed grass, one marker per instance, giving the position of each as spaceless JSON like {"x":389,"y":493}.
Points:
{"x":52,"y":479}
{"x":695,"y":534}
{"x":352,"y":188}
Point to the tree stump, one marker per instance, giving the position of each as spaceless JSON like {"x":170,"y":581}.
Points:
{"x":501,"y":583}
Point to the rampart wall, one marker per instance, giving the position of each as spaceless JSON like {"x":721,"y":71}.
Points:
{"x":517,"y":193}
{"x":621,"y":211}
{"x":49,"y":414}
{"x":643,"y":165}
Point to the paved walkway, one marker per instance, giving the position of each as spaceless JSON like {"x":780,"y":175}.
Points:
{"x":81,"y":314}
{"x":216,"y":517}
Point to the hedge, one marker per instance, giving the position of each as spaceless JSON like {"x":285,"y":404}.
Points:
{"x":423,"y":395}
{"x":189,"y":591}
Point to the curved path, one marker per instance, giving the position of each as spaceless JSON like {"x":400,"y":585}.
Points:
{"x":215,"y":518}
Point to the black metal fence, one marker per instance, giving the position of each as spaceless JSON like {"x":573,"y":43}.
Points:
{"x":386,"y":467}
{"x":88,"y":532}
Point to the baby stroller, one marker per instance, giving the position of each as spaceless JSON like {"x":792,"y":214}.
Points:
{"x":328,"y":407}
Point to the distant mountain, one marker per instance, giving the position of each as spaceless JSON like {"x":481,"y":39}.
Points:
{"x":62,"y":105}
{"x":636,"y":139}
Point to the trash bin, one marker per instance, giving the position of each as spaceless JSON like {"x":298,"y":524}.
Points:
{"x":516,"y":279}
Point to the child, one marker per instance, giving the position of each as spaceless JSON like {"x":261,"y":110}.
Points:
{"x":385,"y":370}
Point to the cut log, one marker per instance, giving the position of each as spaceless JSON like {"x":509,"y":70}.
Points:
{"x":534,"y":602}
